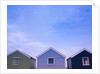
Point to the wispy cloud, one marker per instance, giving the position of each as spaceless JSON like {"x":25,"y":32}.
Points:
{"x":16,"y":36}
{"x":18,"y":40}
{"x":38,"y":27}
{"x":36,"y":44}
{"x":11,"y":26}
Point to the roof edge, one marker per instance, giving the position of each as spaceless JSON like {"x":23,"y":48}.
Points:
{"x":48,"y":50}
{"x":21,"y":53}
{"x":80,"y":52}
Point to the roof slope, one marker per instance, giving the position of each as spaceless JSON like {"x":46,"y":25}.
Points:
{"x":80,"y":52}
{"x":51,"y":49}
{"x":21,"y":53}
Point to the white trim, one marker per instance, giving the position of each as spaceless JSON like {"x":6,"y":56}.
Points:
{"x":12,"y":52}
{"x":50,"y":49}
{"x":48,"y":61}
{"x":80,"y":52}
{"x":65,"y":63}
{"x":18,"y":60}
{"x":20,"y":52}
{"x":36,"y":63}
{"x":16,"y":57}
{"x":87,"y":60}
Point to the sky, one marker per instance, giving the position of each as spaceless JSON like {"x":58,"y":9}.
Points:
{"x":32,"y":29}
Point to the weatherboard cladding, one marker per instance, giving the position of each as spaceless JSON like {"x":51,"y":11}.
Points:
{"x":76,"y":61}
{"x":80,"y":52}
{"x":51,"y":49}
{"x":21,"y":53}
{"x":25,"y":62}
{"x":43,"y":64}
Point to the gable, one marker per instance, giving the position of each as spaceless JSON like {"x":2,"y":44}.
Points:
{"x":17,"y":54}
{"x":51,"y":52}
{"x":83,"y":51}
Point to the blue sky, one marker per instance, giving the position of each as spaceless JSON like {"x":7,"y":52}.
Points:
{"x":34,"y":28}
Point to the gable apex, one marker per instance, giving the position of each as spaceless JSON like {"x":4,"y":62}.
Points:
{"x":21,"y":53}
{"x":84,"y":49}
{"x":50,"y":48}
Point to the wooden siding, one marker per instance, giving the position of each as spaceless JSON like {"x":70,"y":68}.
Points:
{"x":76,"y":62}
{"x":59,"y":61}
{"x":24,"y":62}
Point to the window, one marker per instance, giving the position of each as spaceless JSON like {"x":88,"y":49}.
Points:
{"x":50,"y":60}
{"x":85,"y":61}
{"x":16,"y":61}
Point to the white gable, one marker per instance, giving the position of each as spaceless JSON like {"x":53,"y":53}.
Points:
{"x":51,"y":49}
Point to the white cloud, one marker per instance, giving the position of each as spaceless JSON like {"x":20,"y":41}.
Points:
{"x":12,"y":26}
{"x":16,"y":36}
{"x":37,"y":44}
{"x":20,"y":40}
{"x":45,"y":29}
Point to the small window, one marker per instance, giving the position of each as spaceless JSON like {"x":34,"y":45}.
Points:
{"x":16,"y":61}
{"x":50,"y":60}
{"x":85,"y":61}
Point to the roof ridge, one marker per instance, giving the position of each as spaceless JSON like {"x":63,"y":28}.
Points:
{"x":80,"y":52}
{"x":51,"y":48}
{"x":21,"y":53}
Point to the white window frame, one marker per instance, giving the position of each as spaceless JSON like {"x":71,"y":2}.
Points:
{"x":87,"y":60}
{"x":13,"y":61}
{"x":48,"y":61}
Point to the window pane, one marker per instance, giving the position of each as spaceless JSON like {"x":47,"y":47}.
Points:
{"x":51,"y":60}
{"x":15,"y":60}
{"x":85,"y":61}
